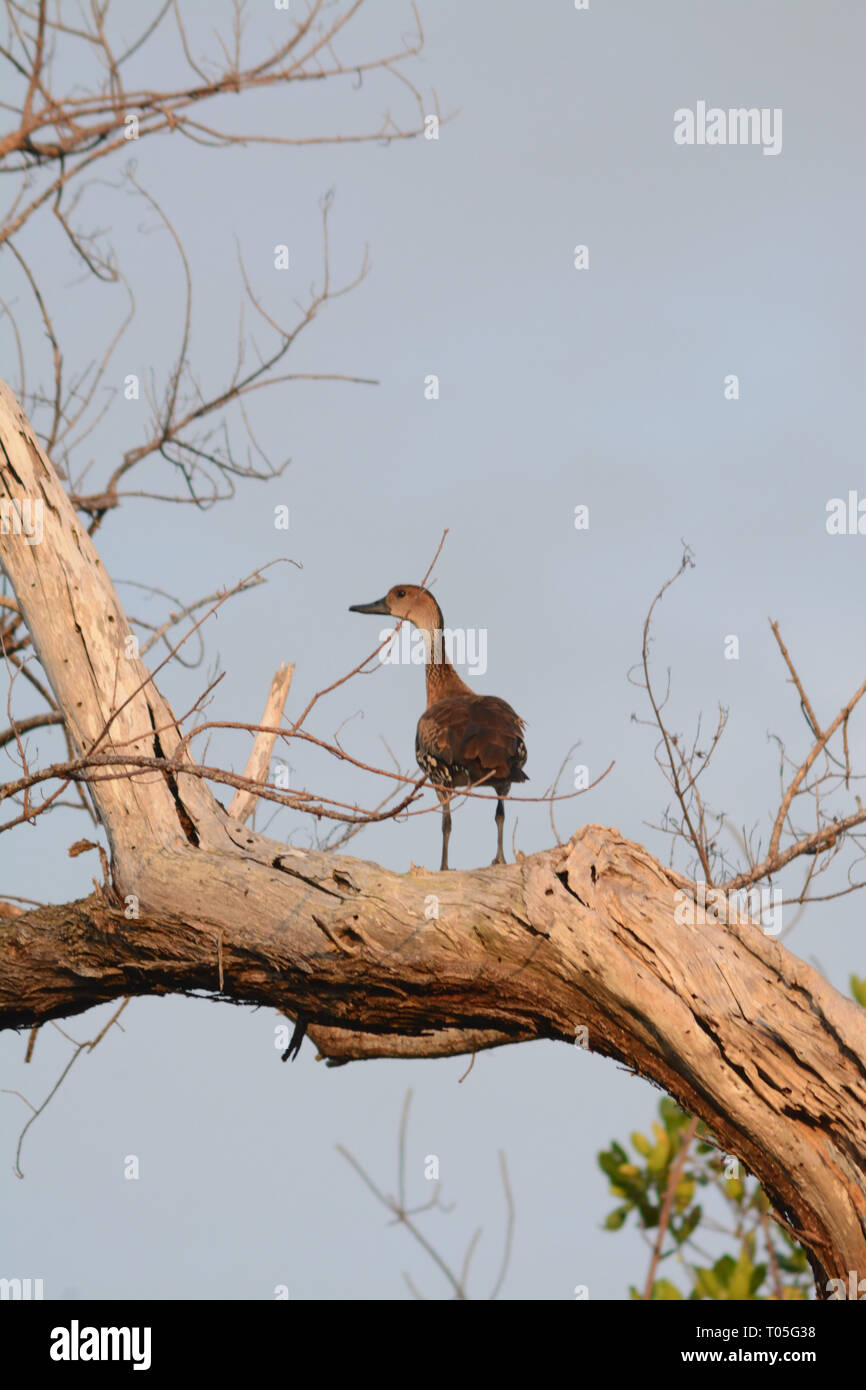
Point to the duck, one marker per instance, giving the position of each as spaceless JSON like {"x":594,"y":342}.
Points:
{"x":463,"y":739}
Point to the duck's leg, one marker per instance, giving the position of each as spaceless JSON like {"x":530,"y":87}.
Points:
{"x":445,"y":801}
{"x":500,"y":826}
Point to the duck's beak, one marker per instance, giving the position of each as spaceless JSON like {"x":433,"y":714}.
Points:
{"x":380,"y":606}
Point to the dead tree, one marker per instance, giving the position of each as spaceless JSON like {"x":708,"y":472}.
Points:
{"x":583,"y":941}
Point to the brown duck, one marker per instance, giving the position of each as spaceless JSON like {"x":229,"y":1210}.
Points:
{"x":463,"y":739}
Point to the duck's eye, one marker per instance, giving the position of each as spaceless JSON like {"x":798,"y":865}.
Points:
{"x":401,"y":593}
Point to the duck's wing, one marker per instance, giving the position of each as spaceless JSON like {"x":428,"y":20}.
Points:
{"x":474,"y":738}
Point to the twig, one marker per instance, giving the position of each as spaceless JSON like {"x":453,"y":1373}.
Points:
{"x":674,"y":1176}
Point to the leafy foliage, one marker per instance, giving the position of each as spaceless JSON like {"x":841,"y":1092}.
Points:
{"x":666,"y":1187}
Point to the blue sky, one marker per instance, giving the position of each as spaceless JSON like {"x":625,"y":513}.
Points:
{"x":558,"y":387}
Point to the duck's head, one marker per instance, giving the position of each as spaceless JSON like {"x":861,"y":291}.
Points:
{"x":407,"y":601}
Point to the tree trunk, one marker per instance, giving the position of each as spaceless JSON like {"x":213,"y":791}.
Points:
{"x":583,"y":936}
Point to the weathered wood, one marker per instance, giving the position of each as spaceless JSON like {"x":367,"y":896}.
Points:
{"x":87,"y":648}
{"x":582,"y":936}
{"x":243,"y":803}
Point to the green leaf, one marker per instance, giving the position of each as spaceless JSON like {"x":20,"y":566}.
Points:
{"x":683,"y":1193}
{"x":795,"y":1263}
{"x":682,"y":1231}
{"x":611,"y":1160}
{"x":641,"y":1143}
{"x":739,"y":1285}
{"x":670,"y":1111}
{"x":659,"y":1156}
{"x":615,"y":1219}
{"x":664,"y":1289}
{"x":707,"y":1283}
{"x":649,"y":1214}
{"x":858,"y":989}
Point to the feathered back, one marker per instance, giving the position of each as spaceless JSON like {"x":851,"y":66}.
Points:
{"x":466,"y":739}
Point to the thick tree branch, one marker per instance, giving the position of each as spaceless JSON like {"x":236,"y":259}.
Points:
{"x":724,"y":1018}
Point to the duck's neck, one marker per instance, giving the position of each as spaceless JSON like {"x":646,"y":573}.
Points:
{"x":442,"y":679}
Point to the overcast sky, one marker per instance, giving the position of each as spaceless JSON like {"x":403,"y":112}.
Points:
{"x":558,"y":387}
